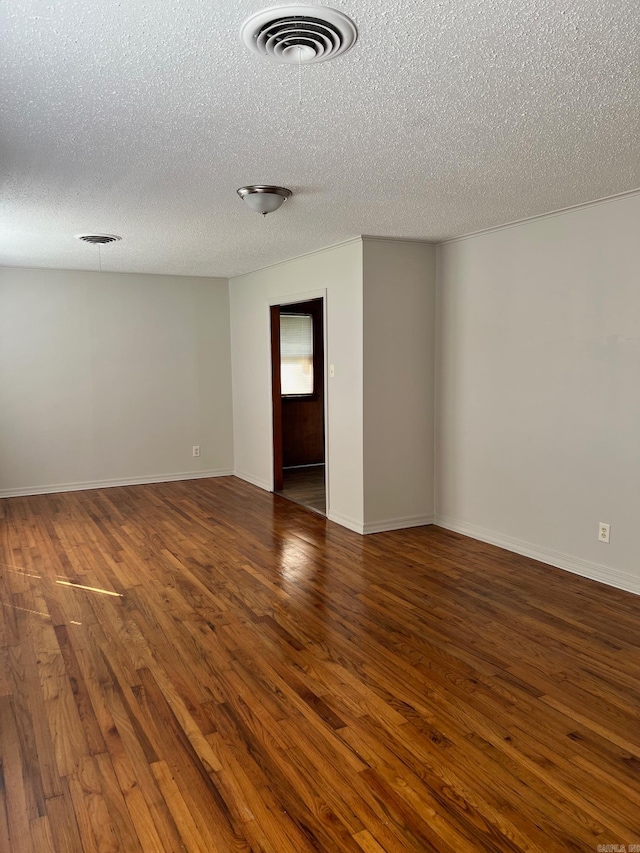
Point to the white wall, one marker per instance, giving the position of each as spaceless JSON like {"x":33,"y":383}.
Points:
{"x":111,"y":377}
{"x":339,"y":271}
{"x":538,"y":388}
{"x":399,"y":347}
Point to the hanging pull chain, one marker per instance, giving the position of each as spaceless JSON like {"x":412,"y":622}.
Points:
{"x":99,"y":257}
{"x":299,"y":74}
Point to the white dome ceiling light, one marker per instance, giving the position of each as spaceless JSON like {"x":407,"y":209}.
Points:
{"x":264,"y":198}
{"x":299,"y":34}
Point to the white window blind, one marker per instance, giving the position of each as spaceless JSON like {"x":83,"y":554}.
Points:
{"x":296,"y":354}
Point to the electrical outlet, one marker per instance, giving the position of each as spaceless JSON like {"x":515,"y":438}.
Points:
{"x":603,"y":532}
{"x":196,"y":450}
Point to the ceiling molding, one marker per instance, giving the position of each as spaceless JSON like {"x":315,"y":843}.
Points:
{"x":424,"y":242}
{"x":560,"y":212}
{"x":110,"y":272}
{"x":298,"y":257}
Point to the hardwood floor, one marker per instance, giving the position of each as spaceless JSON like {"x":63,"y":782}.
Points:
{"x":203,"y":666}
{"x":305,"y":485}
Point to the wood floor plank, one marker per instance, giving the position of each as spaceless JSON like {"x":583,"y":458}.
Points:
{"x":41,"y":838}
{"x":194,"y":762}
{"x":5,"y":842}
{"x":63,"y":823}
{"x":95,"y":824}
{"x":181,"y":813}
{"x":14,"y":771}
{"x":368,"y":842}
{"x":132,"y":754}
{"x":202,"y":666}
{"x":69,"y":742}
{"x":86,"y":712}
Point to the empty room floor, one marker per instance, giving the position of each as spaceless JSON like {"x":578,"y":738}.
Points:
{"x":204,"y":666}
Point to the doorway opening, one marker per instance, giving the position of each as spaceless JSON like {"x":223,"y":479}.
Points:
{"x":297,"y":361}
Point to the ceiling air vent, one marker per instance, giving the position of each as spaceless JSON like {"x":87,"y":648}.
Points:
{"x":299,"y":34}
{"x":98,"y":238}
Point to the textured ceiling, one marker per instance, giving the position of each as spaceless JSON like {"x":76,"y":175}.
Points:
{"x":142,"y":118}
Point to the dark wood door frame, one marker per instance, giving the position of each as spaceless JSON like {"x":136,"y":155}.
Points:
{"x":276,"y":398}
{"x":310,"y":304}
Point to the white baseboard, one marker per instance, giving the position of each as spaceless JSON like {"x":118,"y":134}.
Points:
{"x":107,"y":484}
{"x":248,"y":478}
{"x":397,"y":523}
{"x":576,"y":565}
{"x":379,"y":526}
{"x":345,"y":521}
